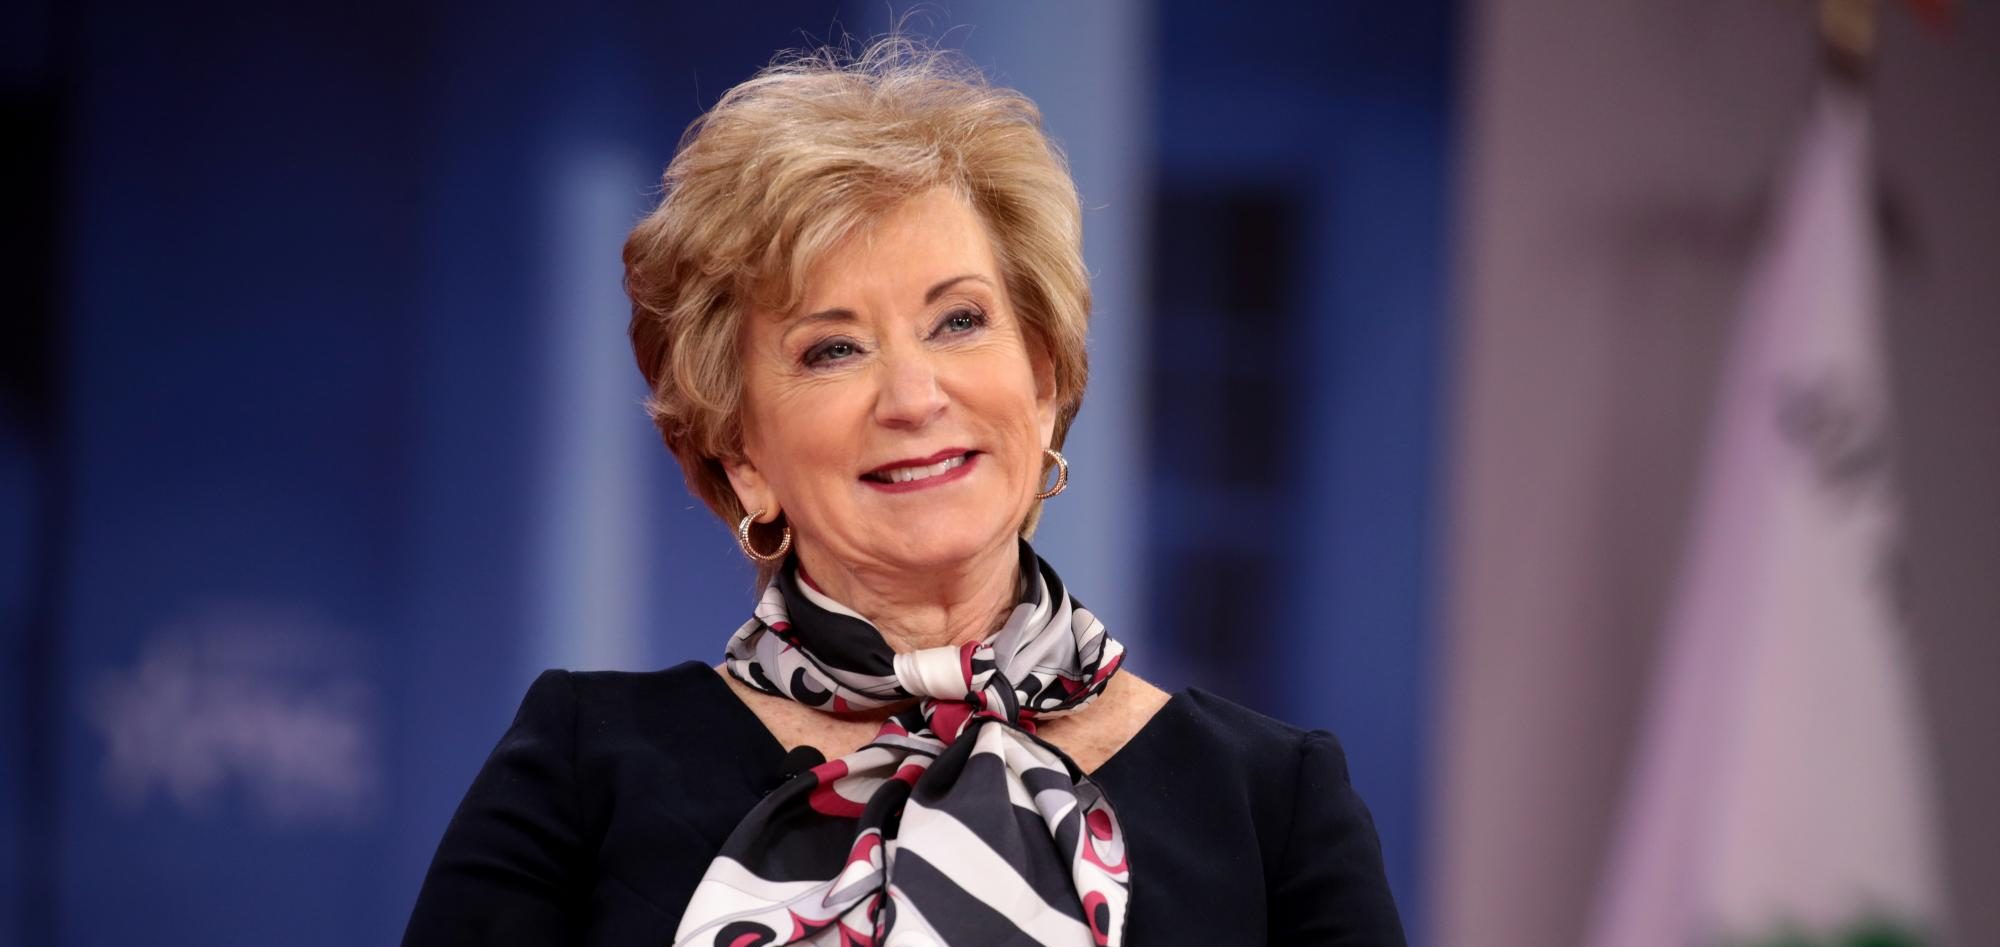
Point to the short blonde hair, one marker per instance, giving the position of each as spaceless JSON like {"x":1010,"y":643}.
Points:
{"x":787,"y":164}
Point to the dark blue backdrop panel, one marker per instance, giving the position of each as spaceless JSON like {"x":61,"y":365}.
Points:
{"x":1297,"y":410}
{"x":240,"y":267}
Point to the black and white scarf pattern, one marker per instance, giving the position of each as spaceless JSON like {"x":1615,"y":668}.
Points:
{"x":956,"y":825}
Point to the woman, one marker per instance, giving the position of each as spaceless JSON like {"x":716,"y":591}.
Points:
{"x":861,"y":307}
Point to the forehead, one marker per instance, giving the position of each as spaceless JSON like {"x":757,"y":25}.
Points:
{"x":905,"y":250}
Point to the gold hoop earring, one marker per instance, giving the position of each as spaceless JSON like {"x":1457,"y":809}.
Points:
{"x":743,"y":540}
{"x":1062,"y":475}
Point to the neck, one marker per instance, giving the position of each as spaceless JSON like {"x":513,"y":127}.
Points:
{"x":931,"y":608}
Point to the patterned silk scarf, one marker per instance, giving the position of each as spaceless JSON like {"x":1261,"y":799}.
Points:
{"x":957,"y":825}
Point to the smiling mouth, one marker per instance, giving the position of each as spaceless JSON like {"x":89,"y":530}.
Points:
{"x":913,"y":473}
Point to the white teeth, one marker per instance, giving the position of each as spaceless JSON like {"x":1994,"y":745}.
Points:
{"x":907,"y":474}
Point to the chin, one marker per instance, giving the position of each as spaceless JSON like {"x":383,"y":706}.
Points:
{"x":943,"y":545}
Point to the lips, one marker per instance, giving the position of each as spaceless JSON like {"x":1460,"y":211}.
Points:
{"x":917,"y":469}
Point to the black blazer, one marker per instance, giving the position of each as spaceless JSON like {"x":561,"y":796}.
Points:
{"x":601,"y":807}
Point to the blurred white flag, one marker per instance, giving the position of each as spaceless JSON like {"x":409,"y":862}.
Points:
{"x":1782,"y":790}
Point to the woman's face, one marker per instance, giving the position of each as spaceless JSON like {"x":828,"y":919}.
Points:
{"x":897,"y":417}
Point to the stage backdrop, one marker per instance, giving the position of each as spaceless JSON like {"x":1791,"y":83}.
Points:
{"x":340,"y":443}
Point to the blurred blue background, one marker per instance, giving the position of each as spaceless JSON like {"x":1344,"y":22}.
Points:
{"x":320,"y":436}
{"x":323,"y":436}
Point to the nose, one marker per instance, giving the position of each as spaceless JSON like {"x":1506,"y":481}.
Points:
{"x":911,"y":396}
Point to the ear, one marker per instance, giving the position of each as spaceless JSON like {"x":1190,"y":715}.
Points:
{"x":752,"y":490}
{"x":1047,"y":404}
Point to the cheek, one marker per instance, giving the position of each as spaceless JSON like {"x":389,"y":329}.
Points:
{"x":1005,"y":398}
{"x":804,"y":436}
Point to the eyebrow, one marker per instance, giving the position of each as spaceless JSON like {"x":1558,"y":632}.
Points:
{"x":841,"y":314}
{"x":931,"y":295}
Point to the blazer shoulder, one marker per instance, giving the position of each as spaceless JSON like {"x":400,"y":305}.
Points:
{"x":1251,"y":733}
{"x":688,"y":679}
{"x":682,"y":697}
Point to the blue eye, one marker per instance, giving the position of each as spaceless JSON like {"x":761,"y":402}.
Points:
{"x":963,"y":320}
{"x":832,"y":350}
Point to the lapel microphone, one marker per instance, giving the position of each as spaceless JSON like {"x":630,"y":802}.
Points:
{"x":799,"y":759}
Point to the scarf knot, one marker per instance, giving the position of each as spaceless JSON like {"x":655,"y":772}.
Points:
{"x":959,"y":684}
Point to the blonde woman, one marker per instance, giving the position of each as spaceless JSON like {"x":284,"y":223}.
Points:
{"x":860,"y":306}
